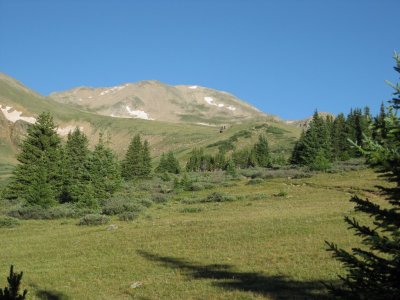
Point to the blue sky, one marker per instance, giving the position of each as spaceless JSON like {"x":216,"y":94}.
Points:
{"x":287,"y":58}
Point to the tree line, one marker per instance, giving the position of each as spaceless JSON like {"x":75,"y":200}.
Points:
{"x":329,"y":139}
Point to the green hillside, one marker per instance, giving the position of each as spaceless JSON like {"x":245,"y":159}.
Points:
{"x":163,"y":136}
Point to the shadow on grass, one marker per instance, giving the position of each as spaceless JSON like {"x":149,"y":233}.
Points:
{"x":275,"y":287}
{"x":51,"y":295}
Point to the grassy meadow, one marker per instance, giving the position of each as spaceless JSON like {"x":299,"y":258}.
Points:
{"x":266,"y":241}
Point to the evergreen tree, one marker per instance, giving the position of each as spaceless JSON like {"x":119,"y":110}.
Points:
{"x":75,"y":172}
{"x":373,"y":272}
{"x":315,"y":144}
{"x":340,"y":136}
{"x":146,"y":159}
{"x":220,"y":161}
{"x":40,"y":149}
{"x":261,"y":152}
{"x":379,"y":129}
{"x":168,"y":164}
{"x":105,"y":173}
{"x":11,"y":292}
{"x":132,"y":164}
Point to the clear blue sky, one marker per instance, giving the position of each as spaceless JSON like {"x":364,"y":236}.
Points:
{"x":285,"y":57}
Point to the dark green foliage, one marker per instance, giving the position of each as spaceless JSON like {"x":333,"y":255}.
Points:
{"x":146,"y":159}
{"x":11,"y":292}
{"x":94,"y":220}
{"x":200,"y":162}
{"x":137,"y":162}
{"x":75,"y":173}
{"x":39,"y":163}
{"x":261,"y":152}
{"x":105,"y":173}
{"x":315,"y":144}
{"x":373,"y":271}
{"x":340,"y":145}
{"x":168,"y":164}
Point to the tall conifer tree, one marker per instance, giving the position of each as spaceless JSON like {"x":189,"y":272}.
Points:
{"x":373,"y":271}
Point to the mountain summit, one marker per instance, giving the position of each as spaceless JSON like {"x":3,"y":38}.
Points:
{"x":153,"y":100}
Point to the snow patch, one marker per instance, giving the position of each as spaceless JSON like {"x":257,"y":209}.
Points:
{"x":14,"y":115}
{"x":140,"y":114}
{"x":210,"y":101}
{"x":206,"y":124}
{"x":112,"y":90}
{"x":193,"y":87}
{"x":65,"y":130}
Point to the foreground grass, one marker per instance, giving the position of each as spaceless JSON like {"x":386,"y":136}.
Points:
{"x":272,"y":247}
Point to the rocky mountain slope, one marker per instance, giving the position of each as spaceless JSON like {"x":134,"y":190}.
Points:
{"x":165,"y":128}
{"x":153,"y":100}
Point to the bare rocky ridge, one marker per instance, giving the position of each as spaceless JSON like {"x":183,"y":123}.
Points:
{"x":153,"y":100}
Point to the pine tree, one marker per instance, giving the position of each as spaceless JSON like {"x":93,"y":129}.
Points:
{"x":146,"y":159}
{"x":379,"y":129}
{"x":104,"y":170}
{"x":168,"y":164}
{"x":132,"y":166}
{"x":11,"y":292}
{"x":315,"y":145}
{"x":75,"y":171}
{"x":340,"y":136}
{"x":373,"y":271}
{"x":261,"y":152}
{"x":40,"y":149}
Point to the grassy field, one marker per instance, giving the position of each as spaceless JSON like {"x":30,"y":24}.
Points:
{"x":268,"y":244}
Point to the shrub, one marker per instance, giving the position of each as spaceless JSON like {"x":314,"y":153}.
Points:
{"x":159,"y":198}
{"x":93,"y":220}
{"x":128,"y":216}
{"x":8,"y":222}
{"x":255,"y":181}
{"x":218,"y":197}
{"x":37,"y":212}
{"x":118,"y":206}
{"x":281,"y":194}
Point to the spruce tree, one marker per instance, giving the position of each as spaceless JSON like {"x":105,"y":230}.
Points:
{"x":132,"y":164}
{"x":340,"y":136}
{"x":146,"y":159}
{"x":75,"y":171}
{"x":373,"y":271}
{"x":168,"y":164}
{"x":261,"y":152}
{"x":39,"y":161}
{"x":12,"y":290}
{"x":105,"y":172}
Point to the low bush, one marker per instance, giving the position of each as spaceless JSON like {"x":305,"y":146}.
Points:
{"x":93,"y":220}
{"x":218,"y":197}
{"x":281,"y":194}
{"x":255,"y":181}
{"x":128,"y":216}
{"x":118,"y":206}
{"x":159,"y":198}
{"x":38,"y":212}
{"x":8,"y":222}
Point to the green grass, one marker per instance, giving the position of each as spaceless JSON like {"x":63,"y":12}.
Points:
{"x":258,"y":246}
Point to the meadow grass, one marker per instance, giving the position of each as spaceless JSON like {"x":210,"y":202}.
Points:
{"x":259,"y":246}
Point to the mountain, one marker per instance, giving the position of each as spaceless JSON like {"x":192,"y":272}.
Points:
{"x":165,"y":128}
{"x":153,"y":100}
